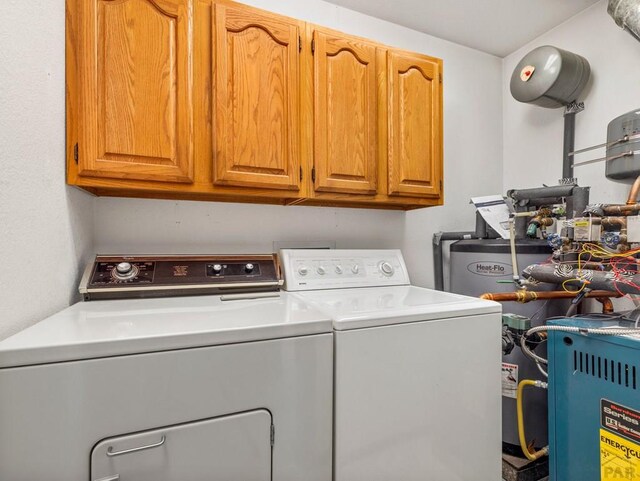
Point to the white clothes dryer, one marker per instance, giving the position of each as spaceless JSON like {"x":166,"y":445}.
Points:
{"x":231,"y":386}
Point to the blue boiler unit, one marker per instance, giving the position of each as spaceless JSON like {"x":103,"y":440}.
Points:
{"x":594,"y":403}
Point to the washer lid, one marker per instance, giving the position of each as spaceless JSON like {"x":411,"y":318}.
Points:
{"x":119,"y":327}
{"x":382,"y":306}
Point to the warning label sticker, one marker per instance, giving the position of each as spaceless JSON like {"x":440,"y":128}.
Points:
{"x":619,"y":458}
{"x":509,"y":380}
{"x":620,"y":420}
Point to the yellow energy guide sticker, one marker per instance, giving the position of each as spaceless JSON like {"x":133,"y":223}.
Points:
{"x":619,"y":458}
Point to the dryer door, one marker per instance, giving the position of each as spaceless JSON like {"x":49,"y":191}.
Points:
{"x":225,"y":448}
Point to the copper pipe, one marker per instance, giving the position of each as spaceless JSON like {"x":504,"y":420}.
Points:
{"x":542,"y":218}
{"x":621,"y":209}
{"x":634,"y":192}
{"x":528,"y":296}
{"x":620,"y":222}
{"x":607,"y":304}
{"x":543,"y":221}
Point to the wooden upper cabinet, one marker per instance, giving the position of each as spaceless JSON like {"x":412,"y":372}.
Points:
{"x":414,"y":125}
{"x":215,"y":100}
{"x":135,"y":92}
{"x":345,"y":113}
{"x":256,"y":98}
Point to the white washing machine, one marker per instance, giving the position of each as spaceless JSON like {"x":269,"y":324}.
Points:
{"x":229,"y":387}
{"x":417,"y":371}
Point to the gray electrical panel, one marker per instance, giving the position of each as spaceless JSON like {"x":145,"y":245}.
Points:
{"x":623,"y":137}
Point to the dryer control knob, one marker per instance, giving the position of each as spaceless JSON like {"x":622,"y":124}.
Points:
{"x":321,"y":270}
{"x":355,"y":268}
{"x":338,"y":269}
{"x":124,"y":268}
{"x":386,"y":268}
{"x":303,"y":270}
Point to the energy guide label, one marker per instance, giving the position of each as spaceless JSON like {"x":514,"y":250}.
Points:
{"x":619,"y":458}
{"x":619,"y":442}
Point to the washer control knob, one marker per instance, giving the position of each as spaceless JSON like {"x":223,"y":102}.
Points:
{"x":338,"y":269}
{"x":386,"y":268}
{"x":321,"y":270}
{"x":355,"y":268}
{"x":303,"y":270}
{"x":124,"y":268}
{"x":249,"y":268}
{"x":217,"y":268}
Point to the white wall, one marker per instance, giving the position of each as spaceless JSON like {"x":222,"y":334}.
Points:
{"x":473,"y":166}
{"x":45,"y":227}
{"x":533,"y":135}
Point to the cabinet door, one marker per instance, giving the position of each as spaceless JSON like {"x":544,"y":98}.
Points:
{"x":345,"y":114}
{"x":136,"y":93}
{"x":256,"y":100}
{"x":415,"y":125}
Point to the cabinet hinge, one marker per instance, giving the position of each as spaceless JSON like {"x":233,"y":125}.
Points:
{"x":313,"y":174}
{"x":273,"y":435}
{"x":299,"y":43}
{"x":301,"y":173}
{"x":313,"y":45}
{"x":75,"y":152}
{"x":440,"y":77}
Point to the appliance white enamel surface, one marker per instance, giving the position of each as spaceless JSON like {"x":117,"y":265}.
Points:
{"x":184,"y":452}
{"x":117,"y":327}
{"x":357,"y":308}
{"x":188,"y":388}
{"x":417,"y":373}
{"x":307,"y":269}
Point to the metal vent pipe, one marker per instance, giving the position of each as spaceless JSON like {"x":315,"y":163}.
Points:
{"x":626,"y":13}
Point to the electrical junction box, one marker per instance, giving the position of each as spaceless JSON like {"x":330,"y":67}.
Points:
{"x":594,"y":403}
{"x":562,"y":225}
{"x":587,"y":229}
{"x":633,"y":228}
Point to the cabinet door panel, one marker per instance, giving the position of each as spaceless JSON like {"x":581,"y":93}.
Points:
{"x":415,"y":123}
{"x":136,"y":100}
{"x":345,"y":118}
{"x":257,"y":102}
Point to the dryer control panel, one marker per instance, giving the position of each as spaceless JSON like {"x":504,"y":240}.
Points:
{"x":115,"y":277}
{"x":310,"y":269}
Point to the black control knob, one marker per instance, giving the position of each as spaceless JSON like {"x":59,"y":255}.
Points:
{"x":249,"y":268}
{"x":217,"y":268}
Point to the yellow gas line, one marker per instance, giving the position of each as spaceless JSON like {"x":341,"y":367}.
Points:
{"x":523,"y":442}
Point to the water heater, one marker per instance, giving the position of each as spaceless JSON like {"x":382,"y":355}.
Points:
{"x":484,"y":265}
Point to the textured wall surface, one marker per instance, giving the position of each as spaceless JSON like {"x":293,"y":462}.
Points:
{"x":45,"y":227}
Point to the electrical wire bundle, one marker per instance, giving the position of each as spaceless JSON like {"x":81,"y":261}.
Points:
{"x":620,"y":266}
